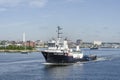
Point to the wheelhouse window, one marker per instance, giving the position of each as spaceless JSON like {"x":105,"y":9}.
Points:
{"x":51,"y":44}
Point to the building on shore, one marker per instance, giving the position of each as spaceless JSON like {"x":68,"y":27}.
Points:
{"x":40,"y":43}
{"x":30,"y":43}
{"x":97,"y":43}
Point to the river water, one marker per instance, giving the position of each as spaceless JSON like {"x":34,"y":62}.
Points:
{"x":17,"y":66}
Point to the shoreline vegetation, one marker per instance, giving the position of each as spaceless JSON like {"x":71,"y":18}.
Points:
{"x":14,"y":48}
{"x":15,"y":51}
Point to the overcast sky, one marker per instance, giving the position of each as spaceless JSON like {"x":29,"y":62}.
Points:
{"x":88,"y":20}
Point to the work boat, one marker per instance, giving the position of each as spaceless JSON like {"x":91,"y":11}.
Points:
{"x":58,"y":53}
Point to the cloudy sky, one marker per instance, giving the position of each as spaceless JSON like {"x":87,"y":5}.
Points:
{"x":88,"y":20}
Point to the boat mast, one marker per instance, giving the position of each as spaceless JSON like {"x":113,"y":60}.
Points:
{"x":58,"y":32}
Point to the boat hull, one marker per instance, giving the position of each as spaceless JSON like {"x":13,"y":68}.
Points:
{"x":54,"y":57}
{"x":88,"y":58}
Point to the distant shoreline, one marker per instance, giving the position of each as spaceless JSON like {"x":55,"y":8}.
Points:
{"x":15,"y":51}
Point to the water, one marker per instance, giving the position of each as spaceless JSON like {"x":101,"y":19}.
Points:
{"x":17,"y":66}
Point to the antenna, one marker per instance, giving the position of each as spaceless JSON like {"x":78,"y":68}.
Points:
{"x":58,"y":32}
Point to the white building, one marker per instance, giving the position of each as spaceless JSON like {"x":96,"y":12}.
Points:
{"x":97,"y":42}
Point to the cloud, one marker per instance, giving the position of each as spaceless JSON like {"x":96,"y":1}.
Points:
{"x":38,"y":3}
{"x":75,"y":0}
{"x":70,"y":0}
{"x":9,"y":3}
{"x":15,"y":3}
{"x":3,"y":9}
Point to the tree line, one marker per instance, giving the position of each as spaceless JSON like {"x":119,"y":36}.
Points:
{"x":14,"y":47}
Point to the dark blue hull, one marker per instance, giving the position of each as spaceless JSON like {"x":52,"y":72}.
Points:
{"x":51,"y":57}
{"x":88,"y":58}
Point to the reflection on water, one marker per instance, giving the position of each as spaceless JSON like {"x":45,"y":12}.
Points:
{"x":62,"y":72}
{"x":56,"y":71}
